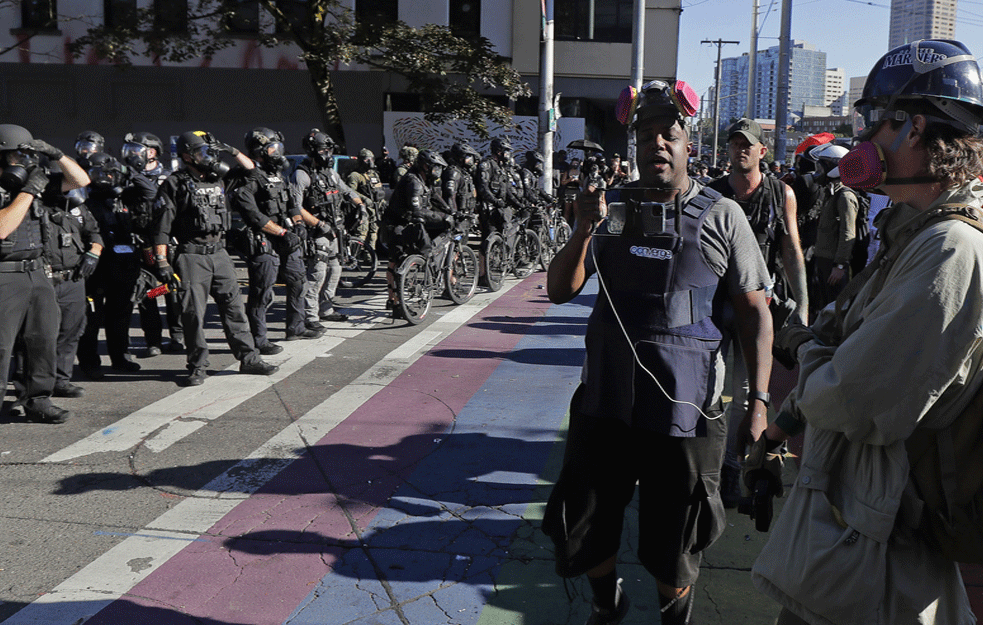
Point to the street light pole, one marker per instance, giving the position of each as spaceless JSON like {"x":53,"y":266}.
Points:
{"x":716,"y":97}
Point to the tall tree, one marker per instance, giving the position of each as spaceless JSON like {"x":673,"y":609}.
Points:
{"x":451,"y":74}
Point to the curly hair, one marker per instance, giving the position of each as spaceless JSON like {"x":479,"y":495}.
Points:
{"x":954,"y":156}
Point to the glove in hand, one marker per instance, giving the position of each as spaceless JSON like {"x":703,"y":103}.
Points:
{"x":36,"y":183}
{"x":293,"y":241}
{"x":166,"y":274}
{"x":43,"y":147}
{"x":300,"y":229}
{"x":86,"y":267}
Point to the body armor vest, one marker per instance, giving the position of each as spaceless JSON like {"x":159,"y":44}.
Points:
{"x":27,"y":241}
{"x":115,"y":221}
{"x":322,"y":198}
{"x":64,"y":247}
{"x":210,"y":214}
{"x":664,"y":293}
{"x":273,"y":197}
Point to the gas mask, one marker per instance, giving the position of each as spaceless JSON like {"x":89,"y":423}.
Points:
{"x":272,"y":157}
{"x":135,"y":155}
{"x":205,"y":159}
{"x":17,"y":166}
{"x":107,"y":180}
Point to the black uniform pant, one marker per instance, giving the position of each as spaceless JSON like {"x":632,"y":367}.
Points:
{"x":28,"y":310}
{"x":263,"y":271}
{"x":212,"y":274}
{"x":111,"y":289}
{"x":71,"y":303}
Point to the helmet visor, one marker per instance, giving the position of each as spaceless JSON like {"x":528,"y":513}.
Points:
{"x":86,"y":147}
{"x":203,"y":155}
{"x":274,"y":148}
{"x":134,"y":151}
{"x":20,"y":158}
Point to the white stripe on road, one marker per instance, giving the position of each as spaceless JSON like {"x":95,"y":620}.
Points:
{"x":113,"y":574}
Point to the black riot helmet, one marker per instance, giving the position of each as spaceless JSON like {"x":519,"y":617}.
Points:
{"x":89,"y":142}
{"x":199,"y":148}
{"x":16,"y":163}
{"x":535,"y":162}
{"x":320,"y":147}
{"x":136,"y":149}
{"x":265,"y":146}
{"x":464,"y":155}
{"x":431,"y":163}
{"x":107,"y":173}
{"x":366,"y":159}
{"x":942,"y":72}
{"x":500,"y":147}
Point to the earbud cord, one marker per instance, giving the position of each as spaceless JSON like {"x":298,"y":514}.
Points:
{"x":631,"y":345}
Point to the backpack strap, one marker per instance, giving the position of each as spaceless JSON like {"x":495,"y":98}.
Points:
{"x":890,"y":251}
{"x":702,"y":202}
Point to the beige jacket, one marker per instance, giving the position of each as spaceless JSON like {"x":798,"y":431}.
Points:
{"x":836,"y":232}
{"x":843,"y":551}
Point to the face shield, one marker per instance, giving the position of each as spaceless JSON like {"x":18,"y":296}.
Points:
{"x":20,"y":158}
{"x":136,"y":155}
{"x":86,"y":147}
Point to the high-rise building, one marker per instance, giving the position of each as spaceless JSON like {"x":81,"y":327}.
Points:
{"x":912,"y":20}
{"x":834,"y":92}
{"x":807,"y":81}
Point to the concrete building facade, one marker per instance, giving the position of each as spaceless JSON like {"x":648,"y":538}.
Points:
{"x":912,"y":20}
{"x":246,"y":85}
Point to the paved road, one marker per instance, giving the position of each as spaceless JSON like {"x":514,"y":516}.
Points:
{"x":387,"y":474}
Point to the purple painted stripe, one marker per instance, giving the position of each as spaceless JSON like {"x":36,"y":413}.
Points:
{"x":264,"y":557}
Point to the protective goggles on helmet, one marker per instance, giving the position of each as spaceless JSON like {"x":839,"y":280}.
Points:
{"x":20,"y":158}
{"x":203,"y":155}
{"x":657,"y":98}
{"x":274,"y":148}
{"x":869,"y":118}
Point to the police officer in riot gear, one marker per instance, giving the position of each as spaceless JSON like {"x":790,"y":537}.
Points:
{"x":191,"y":209}
{"x":141,"y":152}
{"x":111,"y":286}
{"x":28,"y":309}
{"x":411,"y":218}
{"x":493,"y":183}
{"x":72,"y":252}
{"x":88,"y":142}
{"x":367,"y":181}
{"x":531,"y":173}
{"x":262,"y":197}
{"x":457,"y":181}
{"x":321,"y":194}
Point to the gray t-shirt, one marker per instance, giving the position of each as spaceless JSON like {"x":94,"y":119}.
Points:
{"x":731,"y":251}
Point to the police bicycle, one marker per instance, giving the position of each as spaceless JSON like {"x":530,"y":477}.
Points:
{"x":552,"y":229}
{"x":450,"y":266}
{"x":517,"y":252}
{"x":358,"y":259}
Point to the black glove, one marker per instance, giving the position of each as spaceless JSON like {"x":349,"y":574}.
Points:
{"x":225,"y":147}
{"x":36,"y":183}
{"x":166,"y":275}
{"x":787,"y":343}
{"x":765,"y":461}
{"x":86,"y":267}
{"x":324,"y":229}
{"x":300,"y":229}
{"x":292,"y":241}
{"x":43,"y":147}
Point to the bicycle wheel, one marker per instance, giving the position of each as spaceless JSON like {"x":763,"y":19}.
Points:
{"x":360,"y":267}
{"x":527,"y":252}
{"x":461,"y":273}
{"x":495,"y":261}
{"x":548,"y":245}
{"x":562,"y":234}
{"x":415,"y":288}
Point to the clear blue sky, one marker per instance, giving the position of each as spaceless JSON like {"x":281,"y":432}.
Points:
{"x":852,"y":33}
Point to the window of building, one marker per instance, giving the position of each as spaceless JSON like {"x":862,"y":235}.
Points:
{"x":295,"y":13}
{"x":171,"y":16}
{"x":245,"y":18}
{"x":39,"y":14}
{"x":120,"y":13}
{"x":594,"y":20}
{"x":379,"y":11}
{"x":465,"y":18}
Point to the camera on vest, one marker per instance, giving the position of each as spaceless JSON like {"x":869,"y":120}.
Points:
{"x":640,"y":218}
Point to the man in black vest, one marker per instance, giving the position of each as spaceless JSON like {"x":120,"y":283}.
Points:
{"x":262,"y":197}
{"x":28,"y":308}
{"x":771,"y":210}
{"x":648,"y":410}
{"x":191,"y":207}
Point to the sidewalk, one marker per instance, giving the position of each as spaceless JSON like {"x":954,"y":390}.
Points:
{"x":422,"y":507}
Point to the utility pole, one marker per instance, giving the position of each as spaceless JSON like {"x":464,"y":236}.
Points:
{"x":637,"y":73}
{"x":752,"y":62}
{"x":548,"y":111}
{"x":716,"y":97}
{"x":781,"y":93}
